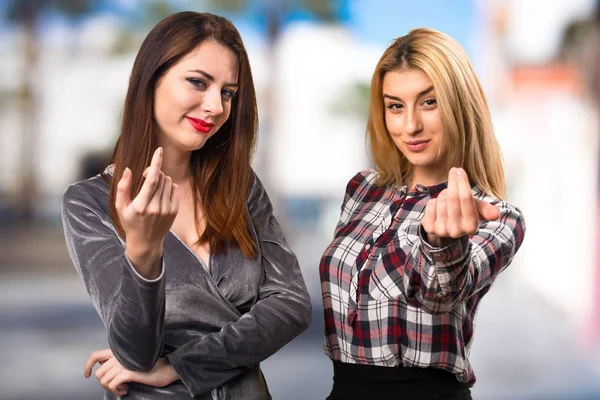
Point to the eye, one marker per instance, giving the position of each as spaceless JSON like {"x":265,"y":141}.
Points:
{"x":199,"y":83}
{"x":394,"y":107}
{"x":430,"y":103}
{"x":227,"y":93}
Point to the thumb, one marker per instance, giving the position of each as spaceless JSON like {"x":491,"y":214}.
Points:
{"x":123,"y":197}
{"x":428,"y":220}
{"x":487,"y":211}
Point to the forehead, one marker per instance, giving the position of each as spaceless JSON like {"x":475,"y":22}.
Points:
{"x":213,"y":58}
{"x":408,"y":82}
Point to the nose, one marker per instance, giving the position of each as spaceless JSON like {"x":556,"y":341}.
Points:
{"x":412,"y":123}
{"x":213,"y":102}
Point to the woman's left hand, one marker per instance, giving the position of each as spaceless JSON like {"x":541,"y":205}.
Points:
{"x":113,"y":377}
{"x":455,"y":213}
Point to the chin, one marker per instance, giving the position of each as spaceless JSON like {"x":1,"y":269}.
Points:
{"x":191,"y":145}
{"x":416,"y":159}
{"x":196,"y":141}
{"x":199,"y":146}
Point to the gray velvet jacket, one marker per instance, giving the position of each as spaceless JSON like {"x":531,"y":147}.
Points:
{"x":214,"y":325}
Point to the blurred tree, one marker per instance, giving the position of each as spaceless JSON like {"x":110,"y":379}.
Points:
{"x":275,"y":14}
{"x":579,"y":45}
{"x":154,"y":11}
{"x":355,"y":100}
{"x":27,"y":14}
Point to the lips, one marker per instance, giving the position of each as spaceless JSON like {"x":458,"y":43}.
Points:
{"x":200,"y":125}
{"x":417,"y":145}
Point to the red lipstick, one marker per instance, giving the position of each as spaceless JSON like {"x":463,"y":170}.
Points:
{"x":200,"y":125}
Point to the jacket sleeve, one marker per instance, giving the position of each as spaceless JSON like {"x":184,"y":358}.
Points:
{"x":282,"y":312}
{"x":131,"y":307}
{"x":438,"y":279}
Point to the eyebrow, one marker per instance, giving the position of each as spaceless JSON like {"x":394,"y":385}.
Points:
{"x":212,"y":78}
{"x":421,"y":93}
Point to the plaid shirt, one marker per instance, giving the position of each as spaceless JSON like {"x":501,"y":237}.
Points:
{"x":390,"y":298}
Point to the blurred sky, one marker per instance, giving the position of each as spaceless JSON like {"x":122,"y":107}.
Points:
{"x":534,"y":29}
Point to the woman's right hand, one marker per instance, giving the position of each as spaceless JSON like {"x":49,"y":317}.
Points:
{"x":147,"y":218}
{"x":113,"y":377}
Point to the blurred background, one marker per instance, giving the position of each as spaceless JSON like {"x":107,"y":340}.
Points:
{"x":64,"y":67}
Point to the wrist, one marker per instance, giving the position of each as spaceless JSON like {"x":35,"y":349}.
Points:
{"x":171,"y":374}
{"x":437,"y":241}
{"x":167,"y":372}
{"x":145,"y":258}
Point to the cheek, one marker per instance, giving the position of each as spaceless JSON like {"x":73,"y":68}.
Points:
{"x":175,"y":100}
{"x":432,"y":122}
{"x":441,"y":140}
{"x":393,"y":124}
{"x":165,"y":105}
{"x":184,"y":100}
{"x":226,"y":113}
{"x":161,"y":112}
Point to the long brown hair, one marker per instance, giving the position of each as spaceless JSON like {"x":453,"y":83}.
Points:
{"x":466,"y":120}
{"x":220,"y":170}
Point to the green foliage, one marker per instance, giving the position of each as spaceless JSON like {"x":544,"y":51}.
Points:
{"x":354,"y":100}
{"x":28,"y":11}
{"x":322,"y":9}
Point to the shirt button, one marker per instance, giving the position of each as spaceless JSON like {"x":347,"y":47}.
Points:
{"x":368,"y":246}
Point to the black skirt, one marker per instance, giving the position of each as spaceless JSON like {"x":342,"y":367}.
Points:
{"x":364,"y":382}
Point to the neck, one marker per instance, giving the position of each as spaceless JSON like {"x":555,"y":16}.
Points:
{"x":176,"y":164}
{"x":425,"y":177}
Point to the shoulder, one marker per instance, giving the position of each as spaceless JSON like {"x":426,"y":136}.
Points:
{"x":361,"y":183}
{"x":358,"y":189}
{"x":364,"y":179}
{"x":91,"y":194}
{"x":256,"y":186}
{"x":257,"y":195}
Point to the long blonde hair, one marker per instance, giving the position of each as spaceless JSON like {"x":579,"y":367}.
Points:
{"x":466,"y":120}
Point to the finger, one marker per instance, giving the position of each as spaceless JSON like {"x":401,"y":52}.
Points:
{"x":123,"y":196}
{"x":108,"y":378}
{"x":155,"y":202}
{"x":156,"y":161}
{"x":122,"y":389}
{"x":487,"y":211}
{"x":145,"y":173}
{"x":165,"y":201}
{"x":429,"y":217}
{"x":104,"y":368}
{"x":152,"y":180}
{"x":95,"y":357}
{"x":467,"y":203}
{"x":441,"y":217}
{"x":119,"y":380}
{"x":453,"y":209}
{"x":175,"y":199}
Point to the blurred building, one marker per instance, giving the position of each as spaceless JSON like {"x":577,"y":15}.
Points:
{"x":548,"y":127}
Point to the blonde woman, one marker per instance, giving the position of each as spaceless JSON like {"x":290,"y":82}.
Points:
{"x":422,"y":237}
